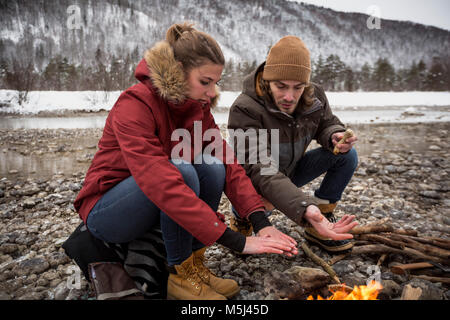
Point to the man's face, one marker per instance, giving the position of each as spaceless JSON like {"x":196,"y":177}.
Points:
{"x":286,"y":94}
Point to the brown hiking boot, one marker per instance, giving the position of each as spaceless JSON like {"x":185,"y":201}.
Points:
{"x":241,"y":226}
{"x":330,"y":245}
{"x":184,"y":283}
{"x":225,"y":287}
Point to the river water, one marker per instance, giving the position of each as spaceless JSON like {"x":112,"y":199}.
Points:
{"x":347,"y":115}
{"x":32,"y":164}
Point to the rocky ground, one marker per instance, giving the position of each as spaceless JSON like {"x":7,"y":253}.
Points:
{"x":403,"y":174}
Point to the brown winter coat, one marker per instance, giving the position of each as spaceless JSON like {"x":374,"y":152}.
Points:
{"x":295,"y":134}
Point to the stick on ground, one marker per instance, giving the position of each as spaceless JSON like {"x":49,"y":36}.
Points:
{"x":432,"y":279}
{"x":316,"y":259}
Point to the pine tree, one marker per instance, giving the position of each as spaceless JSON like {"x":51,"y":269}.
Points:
{"x":118,"y":74}
{"x":317,"y":72}
{"x":333,"y":73}
{"x":128,"y":69}
{"x":412,"y":77}
{"x":52,"y":80}
{"x":383,"y":75}
{"x":415,"y":76}
{"x":365,"y":78}
{"x":101,"y":76}
{"x":248,"y":68}
{"x":66,"y":74}
{"x":436,"y":76}
{"x":401,"y":80}
{"x":3,"y":72}
{"x":227,"y":76}
{"x":446,"y":65}
{"x":350,"y":82}
{"x":80,"y":79}
{"x":422,"y":75}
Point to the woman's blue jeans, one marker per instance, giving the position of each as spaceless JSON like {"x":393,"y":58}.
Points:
{"x":124,"y":213}
{"x":339,"y":170}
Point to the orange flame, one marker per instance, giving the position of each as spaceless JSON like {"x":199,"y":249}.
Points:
{"x":369,"y":292}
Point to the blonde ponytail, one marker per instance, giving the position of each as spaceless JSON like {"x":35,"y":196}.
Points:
{"x":176,"y":31}
{"x":193,"y":48}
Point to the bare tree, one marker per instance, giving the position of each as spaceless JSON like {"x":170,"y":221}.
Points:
{"x":22,"y":78}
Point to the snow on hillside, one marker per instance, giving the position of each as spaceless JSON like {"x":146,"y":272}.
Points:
{"x":245,"y":30}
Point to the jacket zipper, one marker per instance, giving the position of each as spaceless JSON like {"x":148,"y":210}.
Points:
{"x":293,"y":125}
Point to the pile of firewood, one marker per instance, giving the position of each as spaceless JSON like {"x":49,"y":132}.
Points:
{"x":429,"y":256}
{"x":380,"y":238}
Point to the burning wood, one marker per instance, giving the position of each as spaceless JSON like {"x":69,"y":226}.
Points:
{"x":381,"y":238}
{"x":369,"y":292}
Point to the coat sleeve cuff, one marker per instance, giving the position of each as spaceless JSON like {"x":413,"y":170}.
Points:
{"x":301,"y":210}
{"x":259,"y":221}
{"x":232,"y":240}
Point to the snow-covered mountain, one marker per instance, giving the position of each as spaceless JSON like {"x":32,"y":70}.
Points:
{"x":76,"y":29}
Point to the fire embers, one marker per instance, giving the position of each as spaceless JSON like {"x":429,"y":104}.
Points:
{"x":342,"y":292}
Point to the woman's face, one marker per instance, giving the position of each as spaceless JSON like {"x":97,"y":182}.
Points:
{"x":202,"y":82}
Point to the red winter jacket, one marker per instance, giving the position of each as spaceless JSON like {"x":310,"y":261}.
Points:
{"x":136,"y":141}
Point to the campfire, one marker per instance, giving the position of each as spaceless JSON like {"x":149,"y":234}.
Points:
{"x":369,"y":292}
{"x":384,"y":245}
{"x":431,"y":257}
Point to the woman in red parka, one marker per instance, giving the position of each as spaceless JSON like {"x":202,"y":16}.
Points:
{"x":135,"y":182}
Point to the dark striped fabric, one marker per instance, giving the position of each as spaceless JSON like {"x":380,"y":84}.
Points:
{"x":144,"y":259}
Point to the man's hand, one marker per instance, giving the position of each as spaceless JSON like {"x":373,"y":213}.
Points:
{"x":275,"y":234}
{"x":347,"y":145}
{"x":335,"y":231}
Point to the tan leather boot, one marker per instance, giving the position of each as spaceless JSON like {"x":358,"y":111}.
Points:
{"x":226,"y":287}
{"x":186,"y":284}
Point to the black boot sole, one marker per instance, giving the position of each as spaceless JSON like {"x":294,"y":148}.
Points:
{"x":334,"y":249}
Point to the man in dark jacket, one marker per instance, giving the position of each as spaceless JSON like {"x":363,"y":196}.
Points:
{"x":279,"y":96}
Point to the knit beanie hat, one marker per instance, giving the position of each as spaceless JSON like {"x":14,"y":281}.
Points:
{"x":288,"y":59}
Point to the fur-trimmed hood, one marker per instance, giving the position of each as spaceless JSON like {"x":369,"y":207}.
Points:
{"x":166,"y":74}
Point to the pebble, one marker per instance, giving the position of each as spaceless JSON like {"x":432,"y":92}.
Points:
{"x":30,"y":266}
{"x":343,"y":267}
{"x":430,"y":194}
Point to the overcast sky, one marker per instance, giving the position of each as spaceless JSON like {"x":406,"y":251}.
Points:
{"x":428,"y":12}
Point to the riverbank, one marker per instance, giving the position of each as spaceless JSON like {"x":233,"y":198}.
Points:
{"x":403,"y":175}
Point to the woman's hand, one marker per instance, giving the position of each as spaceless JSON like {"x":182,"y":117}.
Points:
{"x":259,"y":244}
{"x":335,"y":231}
{"x":274,"y":234}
